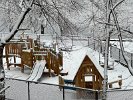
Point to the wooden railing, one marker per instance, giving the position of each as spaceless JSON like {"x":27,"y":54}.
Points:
{"x":54,"y":62}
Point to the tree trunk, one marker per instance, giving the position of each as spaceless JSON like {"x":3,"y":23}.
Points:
{"x":1,"y":56}
{"x":105,"y":81}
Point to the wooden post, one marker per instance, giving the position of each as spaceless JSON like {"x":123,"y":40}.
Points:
{"x":61,"y":82}
{"x":60,"y":57}
{"x":49,"y":63}
{"x":120,"y":83}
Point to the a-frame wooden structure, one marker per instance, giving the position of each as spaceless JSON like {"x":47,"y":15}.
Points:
{"x":88,"y":75}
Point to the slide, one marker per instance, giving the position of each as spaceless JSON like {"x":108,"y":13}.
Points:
{"x":37,"y":71}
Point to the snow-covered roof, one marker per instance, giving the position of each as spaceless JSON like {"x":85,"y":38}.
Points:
{"x":75,"y":58}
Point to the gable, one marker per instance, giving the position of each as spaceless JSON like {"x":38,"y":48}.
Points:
{"x":87,"y":67}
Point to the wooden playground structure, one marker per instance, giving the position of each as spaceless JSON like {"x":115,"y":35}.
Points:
{"x":29,"y":50}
